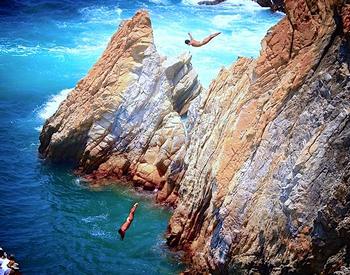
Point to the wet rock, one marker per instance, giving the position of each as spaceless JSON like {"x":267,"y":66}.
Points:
{"x":214,"y":2}
{"x":275,"y":5}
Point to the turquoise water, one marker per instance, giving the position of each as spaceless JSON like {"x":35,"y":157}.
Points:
{"x":49,"y":219}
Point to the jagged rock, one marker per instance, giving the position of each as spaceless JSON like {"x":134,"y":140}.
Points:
{"x":166,"y":142}
{"x":275,"y":5}
{"x":266,"y":186}
{"x":259,"y":171}
{"x":214,"y":2}
{"x":123,"y":118}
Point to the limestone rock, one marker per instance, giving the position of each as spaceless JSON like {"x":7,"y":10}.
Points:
{"x":124,"y":118}
{"x":265,"y":186}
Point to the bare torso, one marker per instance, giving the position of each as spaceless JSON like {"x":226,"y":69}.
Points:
{"x":196,"y":43}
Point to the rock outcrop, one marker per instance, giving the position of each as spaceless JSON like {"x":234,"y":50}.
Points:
{"x":124,"y":118}
{"x":275,"y":5}
{"x":259,"y":170}
{"x":213,"y":2}
{"x":266,"y":186}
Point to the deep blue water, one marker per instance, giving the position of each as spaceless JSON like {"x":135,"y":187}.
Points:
{"x":50,"y":220}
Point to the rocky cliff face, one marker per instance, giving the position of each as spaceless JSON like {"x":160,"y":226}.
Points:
{"x":124,"y":118}
{"x":266,"y":181}
{"x":259,"y":170}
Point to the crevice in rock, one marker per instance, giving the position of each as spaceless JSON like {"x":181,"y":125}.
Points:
{"x":336,"y":32}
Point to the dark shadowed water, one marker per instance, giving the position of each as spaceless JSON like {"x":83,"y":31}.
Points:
{"x":49,"y":219}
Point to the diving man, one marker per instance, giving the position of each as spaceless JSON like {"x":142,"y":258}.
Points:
{"x":128,"y":221}
{"x":195,"y":43}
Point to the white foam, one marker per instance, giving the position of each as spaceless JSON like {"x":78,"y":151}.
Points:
{"x":52,"y":104}
{"x":83,"y":49}
{"x":93,"y":219}
{"x":234,"y":6}
{"x":245,"y":41}
{"x":101,"y":14}
{"x":190,"y":2}
{"x":99,"y":232}
{"x":21,"y":50}
{"x":162,"y":2}
{"x":225,"y":21}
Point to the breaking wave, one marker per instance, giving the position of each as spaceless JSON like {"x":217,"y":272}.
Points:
{"x":50,"y":107}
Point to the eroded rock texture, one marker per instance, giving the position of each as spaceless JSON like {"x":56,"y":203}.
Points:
{"x":266,"y":181}
{"x":124,"y":117}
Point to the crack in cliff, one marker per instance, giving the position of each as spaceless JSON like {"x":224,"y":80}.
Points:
{"x":292,"y":40}
{"x":335,"y":33}
{"x":197,"y":222}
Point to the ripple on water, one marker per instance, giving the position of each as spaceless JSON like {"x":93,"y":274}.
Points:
{"x":92,"y":219}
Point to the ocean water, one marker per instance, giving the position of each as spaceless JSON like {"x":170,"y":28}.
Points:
{"x":49,"y":219}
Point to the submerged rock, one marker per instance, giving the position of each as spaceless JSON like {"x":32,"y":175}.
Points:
{"x":124,"y":118}
{"x":266,"y":188}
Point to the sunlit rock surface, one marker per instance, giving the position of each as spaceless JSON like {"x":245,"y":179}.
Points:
{"x":258,"y":165}
{"x":266,"y":185}
{"x":124,"y":118}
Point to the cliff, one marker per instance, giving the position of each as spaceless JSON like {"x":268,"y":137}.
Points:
{"x":266,"y":181}
{"x":124,"y":118}
{"x":258,"y":165}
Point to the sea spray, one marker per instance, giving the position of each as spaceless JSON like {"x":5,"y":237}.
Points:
{"x":52,"y":104}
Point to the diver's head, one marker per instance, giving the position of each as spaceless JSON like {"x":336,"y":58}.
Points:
{"x":187,"y":42}
{"x":122,"y":233}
